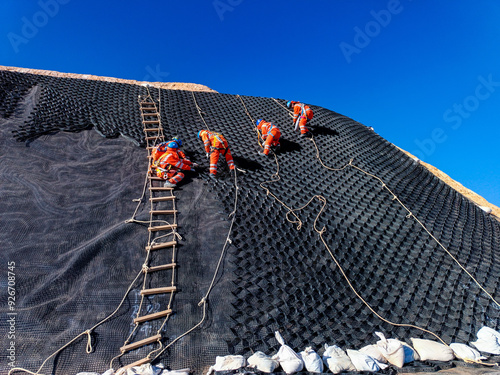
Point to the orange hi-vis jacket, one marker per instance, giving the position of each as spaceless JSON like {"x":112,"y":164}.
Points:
{"x":213,"y":141}
{"x":270,"y":134}
{"x":171,"y":160}
{"x":301,"y":113}
{"x":216,"y":144}
{"x":170,"y":164}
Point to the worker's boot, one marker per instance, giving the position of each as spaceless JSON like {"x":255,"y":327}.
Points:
{"x":168,"y":184}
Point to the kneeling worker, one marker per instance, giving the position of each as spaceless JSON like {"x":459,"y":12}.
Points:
{"x":169,"y":163}
{"x":270,"y":134}
{"x":215,"y":144}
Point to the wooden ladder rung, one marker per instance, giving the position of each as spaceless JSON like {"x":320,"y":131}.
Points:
{"x":161,"y":245}
{"x":151,"y":122}
{"x":162,"y":227}
{"x":138,"y":344}
{"x":149,"y":317}
{"x":156,"y":178}
{"x":162,"y":267}
{"x":151,"y":138}
{"x":140,"y":362}
{"x":163,"y":212}
{"x":151,"y":129}
{"x":162,"y":199}
{"x":160,"y":188}
{"x":167,"y":289}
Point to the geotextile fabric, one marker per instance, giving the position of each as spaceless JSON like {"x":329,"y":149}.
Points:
{"x":67,"y":192}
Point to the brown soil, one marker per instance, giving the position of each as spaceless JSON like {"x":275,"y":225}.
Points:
{"x":162,"y":85}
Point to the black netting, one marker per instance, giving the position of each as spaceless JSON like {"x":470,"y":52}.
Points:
{"x":65,"y":198}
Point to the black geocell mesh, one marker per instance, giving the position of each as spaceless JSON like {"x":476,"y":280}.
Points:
{"x":66,"y":193}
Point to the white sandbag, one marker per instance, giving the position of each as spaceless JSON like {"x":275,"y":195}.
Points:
{"x":289,"y":360}
{"x":463,"y":351}
{"x":391,"y":349}
{"x":311,"y":360}
{"x":227,"y":363}
{"x":429,"y":350}
{"x":184,"y":371}
{"x":145,"y":369}
{"x":262,"y":362}
{"x":361,"y":361}
{"x":337,"y":360}
{"x":410,"y":353}
{"x":488,"y":341}
{"x":374,"y":352}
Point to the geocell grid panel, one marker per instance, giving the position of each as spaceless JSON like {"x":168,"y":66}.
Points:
{"x":282,"y":278}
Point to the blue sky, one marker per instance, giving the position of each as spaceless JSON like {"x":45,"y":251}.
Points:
{"x":424,"y":74}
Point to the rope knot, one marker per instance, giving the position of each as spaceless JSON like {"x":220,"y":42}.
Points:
{"x":203,"y":301}
{"x":89,"y":347}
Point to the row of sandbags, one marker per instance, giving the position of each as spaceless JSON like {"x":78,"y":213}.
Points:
{"x":372,"y":357}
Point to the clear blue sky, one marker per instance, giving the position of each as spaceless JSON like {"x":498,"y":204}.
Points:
{"x":425,"y":74}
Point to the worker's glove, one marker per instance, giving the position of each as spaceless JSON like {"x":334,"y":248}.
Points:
{"x":208,"y":155}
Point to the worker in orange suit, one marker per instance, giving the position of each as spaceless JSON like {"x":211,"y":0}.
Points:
{"x":302,"y":113}
{"x":270,"y":135}
{"x":215,"y":144}
{"x":170,"y":163}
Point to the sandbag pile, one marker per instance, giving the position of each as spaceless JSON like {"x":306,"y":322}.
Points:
{"x":372,"y":357}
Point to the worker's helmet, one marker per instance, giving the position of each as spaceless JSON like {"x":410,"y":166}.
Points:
{"x":258,"y":122}
{"x":289,"y":104}
{"x":172,"y":145}
{"x":200,"y":132}
{"x":178,"y":141}
{"x":162,"y":147}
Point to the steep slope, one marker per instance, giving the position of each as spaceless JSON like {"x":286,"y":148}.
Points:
{"x":69,"y":195}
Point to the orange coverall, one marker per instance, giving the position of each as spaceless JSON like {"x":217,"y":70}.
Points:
{"x":170,"y":164}
{"x":301,"y":114}
{"x":216,"y":144}
{"x":270,"y":134}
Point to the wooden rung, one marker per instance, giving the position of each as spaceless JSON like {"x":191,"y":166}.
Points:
{"x":161,"y":245}
{"x":151,"y":129}
{"x":162,"y":227}
{"x":151,"y":138}
{"x":157,"y":315}
{"x":138,"y":344}
{"x":140,"y":362}
{"x":162,"y":199}
{"x":160,"y":188}
{"x":163,"y":212}
{"x":151,"y":122}
{"x":156,"y":178}
{"x":167,"y":289}
{"x":162,"y":267}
